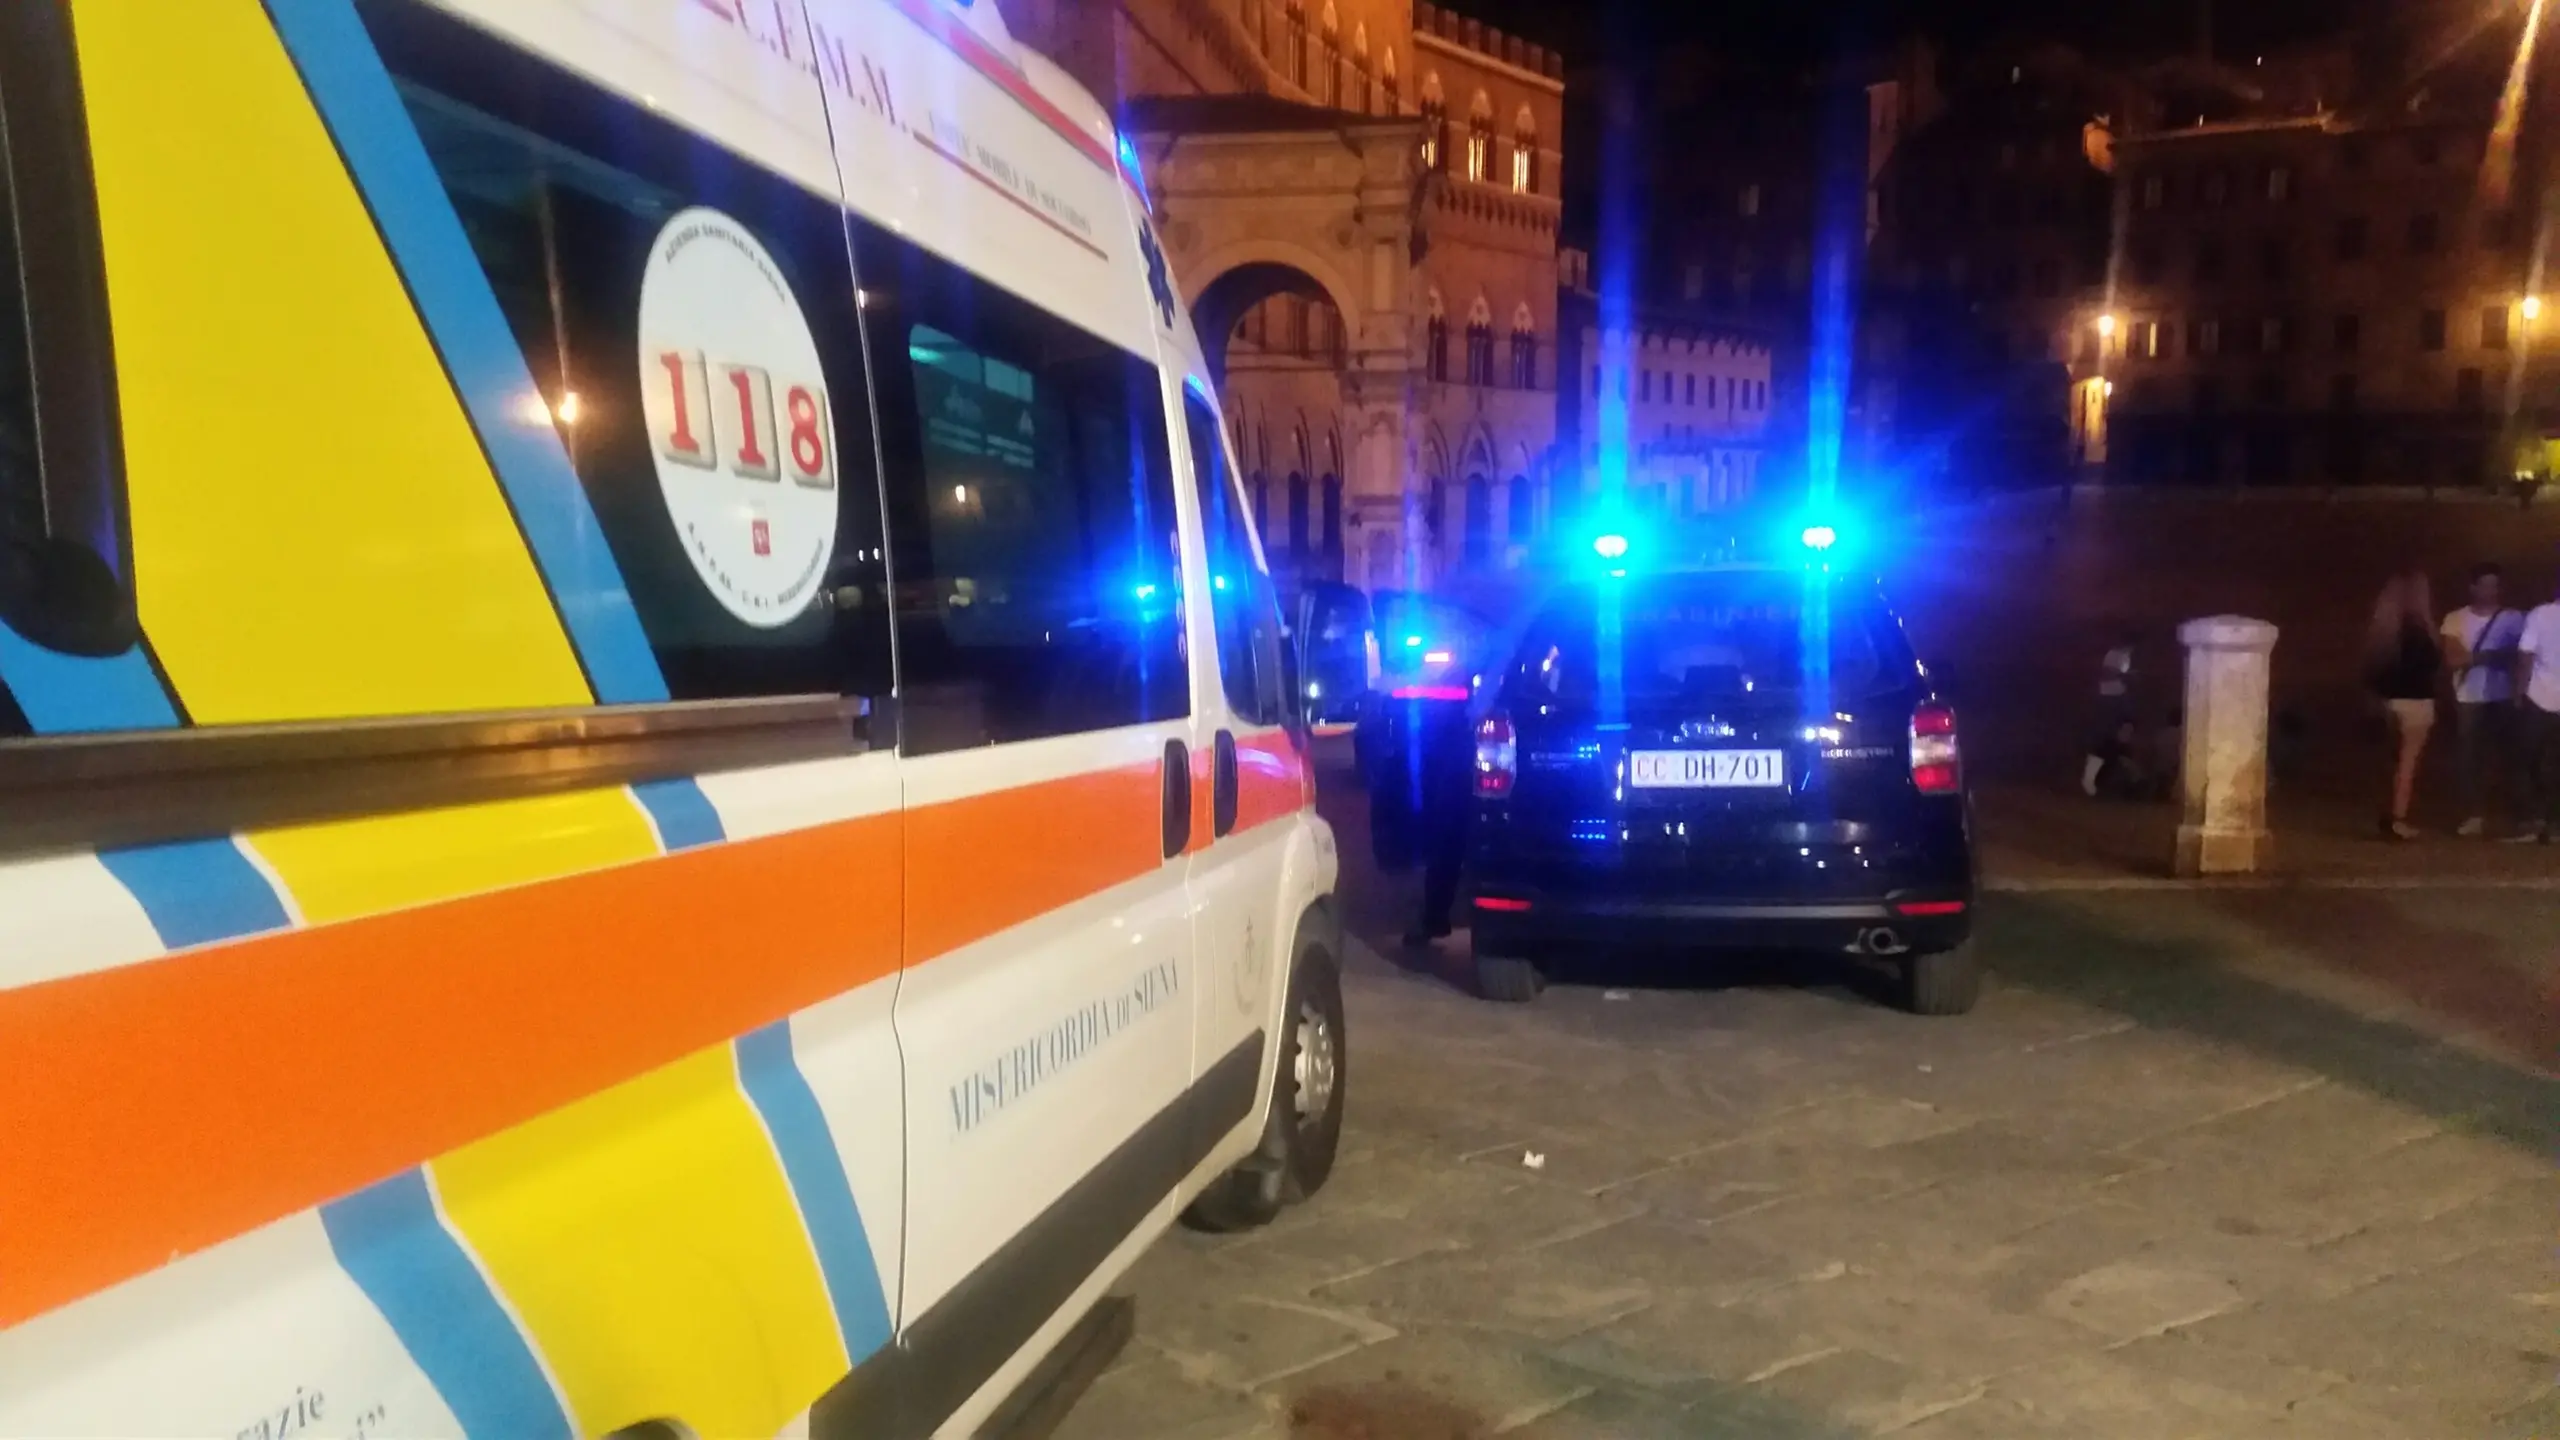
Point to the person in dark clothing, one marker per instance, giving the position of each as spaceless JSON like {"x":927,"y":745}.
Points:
{"x":1444,"y":785}
{"x":2404,"y":662}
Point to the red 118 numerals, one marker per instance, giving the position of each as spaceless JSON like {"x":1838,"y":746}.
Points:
{"x":735,"y":428}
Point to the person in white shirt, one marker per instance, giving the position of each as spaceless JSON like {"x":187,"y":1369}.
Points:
{"x":2109,"y":746}
{"x":2480,"y":651}
{"x":2538,"y":664}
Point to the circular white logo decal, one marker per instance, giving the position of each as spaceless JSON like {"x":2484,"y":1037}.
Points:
{"x":738,"y":419}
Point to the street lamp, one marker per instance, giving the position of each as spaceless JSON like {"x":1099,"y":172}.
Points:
{"x":2106,"y":325}
{"x":2532,"y":307}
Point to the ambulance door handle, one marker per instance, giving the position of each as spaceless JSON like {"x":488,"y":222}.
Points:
{"x":1222,"y":803}
{"x":1177,"y":798}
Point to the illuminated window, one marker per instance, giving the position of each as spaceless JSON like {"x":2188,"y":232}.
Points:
{"x":1328,"y":86}
{"x":1435,"y":125}
{"x":1480,"y":138}
{"x":1524,"y":152}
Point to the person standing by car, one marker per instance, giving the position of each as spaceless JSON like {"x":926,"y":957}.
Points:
{"x":2538,"y":716}
{"x":2480,"y":648}
{"x":1444,"y":757}
{"x":2403,"y":660}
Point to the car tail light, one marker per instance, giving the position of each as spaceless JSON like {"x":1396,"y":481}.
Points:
{"x":1937,"y":763}
{"x":1497,"y":756}
{"x":1502,"y":905}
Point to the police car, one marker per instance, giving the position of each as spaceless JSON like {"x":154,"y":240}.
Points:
{"x":1727,"y":755}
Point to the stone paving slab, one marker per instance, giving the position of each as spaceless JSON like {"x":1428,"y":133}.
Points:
{"x":2141,"y":1199}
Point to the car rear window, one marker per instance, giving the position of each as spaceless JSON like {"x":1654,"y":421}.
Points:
{"x":1412,"y":626}
{"x":1709,"y":638}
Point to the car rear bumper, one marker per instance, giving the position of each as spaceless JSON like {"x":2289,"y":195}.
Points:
{"x":1514,"y":921}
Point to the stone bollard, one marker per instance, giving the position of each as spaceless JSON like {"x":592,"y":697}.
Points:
{"x":2224,"y":769}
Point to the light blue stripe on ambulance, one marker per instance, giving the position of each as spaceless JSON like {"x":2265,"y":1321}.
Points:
{"x":197,"y":892}
{"x":390,"y":1239}
{"x":683,"y":814}
{"x":815,"y":1168}
{"x":373,"y":130}
{"x":77,"y":694}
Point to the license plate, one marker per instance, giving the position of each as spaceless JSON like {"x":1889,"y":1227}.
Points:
{"x":1707,"y":769}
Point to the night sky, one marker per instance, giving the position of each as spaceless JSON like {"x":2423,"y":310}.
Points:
{"x":1829,"y":29}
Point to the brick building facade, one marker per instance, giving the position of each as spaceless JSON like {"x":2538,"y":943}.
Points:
{"x":1364,"y":194}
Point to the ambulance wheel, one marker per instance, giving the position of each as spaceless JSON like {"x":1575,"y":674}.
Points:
{"x":1313,"y":1070}
{"x":1302,"y":1129}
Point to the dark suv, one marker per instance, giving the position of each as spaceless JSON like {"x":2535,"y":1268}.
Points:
{"x":1743,"y":757}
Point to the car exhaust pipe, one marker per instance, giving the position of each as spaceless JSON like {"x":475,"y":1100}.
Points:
{"x":1881,"y":940}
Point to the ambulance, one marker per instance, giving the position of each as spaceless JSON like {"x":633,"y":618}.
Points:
{"x":648,"y":772}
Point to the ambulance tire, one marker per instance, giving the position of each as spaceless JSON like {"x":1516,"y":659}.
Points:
{"x":1296,"y":1155}
{"x":1314,"y":1070}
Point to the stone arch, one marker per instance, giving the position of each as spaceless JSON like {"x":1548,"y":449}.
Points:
{"x":1520,"y":510}
{"x":1244,"y":276}
{"x":1476,"y":523}
{"x":1329,"y":495}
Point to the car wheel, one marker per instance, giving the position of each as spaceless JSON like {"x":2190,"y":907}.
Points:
{"x":1946,"y":983}
{"x":1508,"y":979}
{"x":1302,"y":1130}
{"x":1314,"y":1064}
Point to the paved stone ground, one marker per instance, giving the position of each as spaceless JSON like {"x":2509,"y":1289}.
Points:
{"x":2194,"y":1169}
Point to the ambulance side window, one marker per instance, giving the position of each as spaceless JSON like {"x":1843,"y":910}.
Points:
{"x":21,"y":484}
{"x":1240,"y":595}
{"x":65,"y":581}
{"x":689,"y":324}
{"x":1029,"y":480}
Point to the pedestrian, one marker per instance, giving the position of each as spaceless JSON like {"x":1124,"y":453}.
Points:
{"x":2538,"y":714}
{"x":2480,"y":649}
{"x":1445,"y":756}
{"x":2403,"y":661}
{"x":2109,"y":744}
